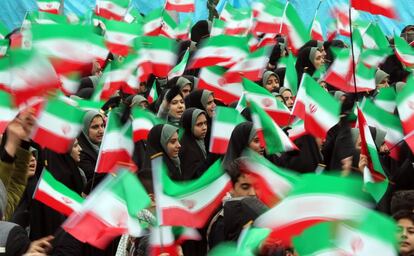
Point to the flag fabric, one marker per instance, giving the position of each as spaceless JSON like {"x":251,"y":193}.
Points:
{"x":319,"y":110}
{"x":87,"y":105}
{"x":112,"y":9}
{"x":142,"y":122}
{"x":404,"y":51}
{"x":162,"y":54}
{"x":271,"y":182}
{"x":294,"y":28}
{"x":237,"y":21}
{"x":341,"y":14}
{"x":7,"y":111}
{"x":251,"y":238}
{"x":211,"y":78}
{"x":119,"y":36}
{"x":58,"y":126}
{"x":190,"y":203}
{"x":268,"y":16}
{"x":27,"y":74}
{"x":69,"y":83}
{"x":375,"y":180}
{"x":36,"y":17}
{"x":51,"y":6}
{"x":405,"y":104}
{"x":241,"y":103}
{"x":316,"y":32}
{"x":271,"y":136}
{"x":291,"y":78}
{"x":222,"y":50}
{"x":117,"y":146}
{"x":312,"y":193}
{"x":179,"y":69}
{"x":265,"y":100}
{"x":4,"y":31}
{"x":217,"y":27}
{"x":385,"y":121}
{"x":374,"y":38}
{"x":251,"y":67}
{"x":223,"y":124}
{"x":386,"y":8}
{"x":153,"y":94}
{"x":109,"y":211}
{"x":182,"y":31}
{"x":69,"y":47}
{"x":168,"y":26}
{"x":297,"y":130}
{"x":153,"y":22}
{"x":56,"y":195}
{"x":166,"y":239}
{"x":373,"y":58}
{"x":133,"y":16}
{"x":385,"y":99}
{"x":180,"y":5}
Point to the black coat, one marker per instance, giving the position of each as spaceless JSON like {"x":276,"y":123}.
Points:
{"x":88,"y":157}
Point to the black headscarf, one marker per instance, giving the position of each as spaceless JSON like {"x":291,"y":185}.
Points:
{"x":304,"y":64}
{"x":240,"y":138}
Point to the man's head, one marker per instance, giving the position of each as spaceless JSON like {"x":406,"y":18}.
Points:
{"x":242,"y":185}
{"x":405,"y":220}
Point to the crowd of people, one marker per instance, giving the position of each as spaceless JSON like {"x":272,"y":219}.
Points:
{"x":29,"y":227}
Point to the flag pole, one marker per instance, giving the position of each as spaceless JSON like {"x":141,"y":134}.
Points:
{"x":283,"y":17}
{"x":352,"y":50}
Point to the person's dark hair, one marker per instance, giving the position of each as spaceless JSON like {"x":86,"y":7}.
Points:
{"x":172,"y":93}
{"x":404,"y":214}
{"x":233,"y":170}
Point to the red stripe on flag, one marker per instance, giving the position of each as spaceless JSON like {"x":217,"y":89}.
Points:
{"x":282,"y":118}
{"x":109,"y":160}
{"x":161,"y":70}
{"x":140,"y":134}
{"x":108,"y":14}
{"x":263,"y":191}
{"x":52,"y":202}
{"x":208,"y":61}
{"x":53,"y":11}
{"x":219,"y":93}
{"x":313,"y":127}
{"x":119,"y":49}
{"x":219,"y":145}
{"x":264,"y":27}
{"x":179,"y":7}
{"x":52,"y":141}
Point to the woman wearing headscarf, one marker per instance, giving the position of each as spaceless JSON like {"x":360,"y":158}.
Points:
{"x":309,"y":60}
{"x":204,"y":100}
{"x":163,"y":141}
{"x":270,"y":81}
{"x":186,"y":86}
{"x":64,"y":168}
{"x":193,"y":149}
{"x":90,"y":140}
{"x":172,"y":107}
{"x":243,"y":136}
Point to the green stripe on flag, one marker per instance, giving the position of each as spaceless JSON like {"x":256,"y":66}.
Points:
{"x":65,"y":111}
{"x":321,"y":97}
{"x":58,"y":186}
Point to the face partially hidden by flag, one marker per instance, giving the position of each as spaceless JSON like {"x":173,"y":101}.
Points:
{"x":110,"y":211}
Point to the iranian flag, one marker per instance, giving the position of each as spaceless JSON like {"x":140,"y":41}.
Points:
{"x":51,"y":6}
{"x":56,"y":195}
{"x":217,"y":28}
{"x":26,"y":75}
{"x":153,"y":94}
{"x":251,"y":67}
{"x":319,"y":110}
{"x":374,"y":38}
{"x":386,"y":122}
{"x":7,"y":111}
{"x":373,"y":58}
{"x":142,"y":122}
{"x":179,"y":69}
{"x":152,"y":22}
{"x":265,"y":100}
{"x":69,"y":47}
{"x":382,"y":7}
{"x":109,"y":211}
{"x":306,"y":205}
{"x":168,"y":26}
{"x":166,"y":239}
{"x":405,"y":104}
{"x":182,"y":31}
{"x":271,"y":136}
{"x":340,"y":74}
{"x":190,"y":203}
{"x":69,"y":83}
{"x":36,"y":17}
{"x":297,"y":130}
{"x":222,"y":50}
{"x":162,"y":54}
{"x":223,"y":124}
{"x":291,"y":78}
{"x":87,"y":105}
{"x":112,"y":9}
{"x":374,"y":176}
{"x":4,"y":31}
{"x":119,"y":36}
{"x":58,"y":126}
{"x":271,"y":182}
{"x":252,"y":238}
{"x":268,"y":16}
{"x":180,"y":5}
{"x":211,"y":78}
{"x":316,"y":32}
{"x":341,"y":14}
{"x":237,"y":21}
{"x":117,"y":146}
{"x":385,"y":99}
{"x":404,"y":51}
{"x":294,"y":28}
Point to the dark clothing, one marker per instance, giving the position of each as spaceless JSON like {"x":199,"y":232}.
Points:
{"x":13,"y":239}
{"x":88,"y":157}
{"x":239,"y":141}
{"x":139,"y":153}
{"x":395,"y":69}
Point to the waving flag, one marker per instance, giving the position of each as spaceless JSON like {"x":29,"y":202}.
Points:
{"x":56,"y":195}
{"x":112,"y":9}
{"x":153,"y":22}
{"x":404,"y":51}
{"x":179,"y":69}
{"x":405,"y":101}
{"x":168,"y":26}
{"x":374,"y":38}
{"x":294,"y":28}
{"x":268,"y":16}
{"x":385,"y":99}
{"x":51,"y":6}
{"x":316,"y":32}
{"x":142,"y":122}
{"x":162,"y":54}
{"x":7,"y":111}
{"x":180,"y":5}
{"x":237,"y":21}
{"x":119,"y":36}
{"x":182,"y":31}
{"x":190,"y":203}
{"x":58,"y":125}
{"x":384,"y":7}
{"x":291,"y":76}
{"x":109,"y":211}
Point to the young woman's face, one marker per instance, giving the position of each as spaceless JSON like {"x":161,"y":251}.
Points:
{"x":177,"y":106}
{"x":255,"y":145}
{"x":272,"y":83}
{"x":200,"y":127}
{"x":288,"y":98}
{"x":319,"y":59}
{"x":406,"y":236}
{"x":76,"y":151}
{"x":186,"y":90}
{"x":96,"y":130}
{"x":173,"y":146}
{"x":211,"y":106}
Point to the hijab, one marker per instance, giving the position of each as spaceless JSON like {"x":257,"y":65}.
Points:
{"x":137,"y":99}
{"x":182,"y":81}
{"x":240,"y":139}
{"x":188,"y":121}
{"x":380,"y":76}
{"x":87,"y":120}
{"x":266,"y":76}
{"x":304,"y":63}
